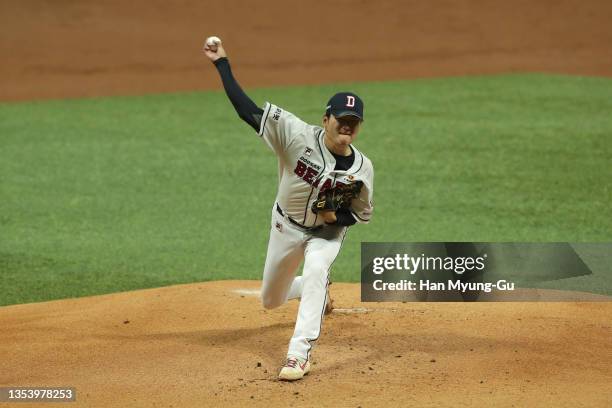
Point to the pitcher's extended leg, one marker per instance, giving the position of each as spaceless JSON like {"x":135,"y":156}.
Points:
{"x":319,"y":256}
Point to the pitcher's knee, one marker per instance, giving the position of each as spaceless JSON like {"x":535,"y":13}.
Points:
{"x":269,"y":302}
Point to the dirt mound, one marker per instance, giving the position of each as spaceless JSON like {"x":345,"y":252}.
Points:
{"x":56,"y":49}
{"x":208,"y":345}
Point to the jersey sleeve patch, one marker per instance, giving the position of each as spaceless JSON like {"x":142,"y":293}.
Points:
{"x":277,"y":113}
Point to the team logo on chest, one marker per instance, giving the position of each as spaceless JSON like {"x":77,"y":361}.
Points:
{"x":306,"y":172}
{"x":306,"y":169}
{"x":310,"y":172}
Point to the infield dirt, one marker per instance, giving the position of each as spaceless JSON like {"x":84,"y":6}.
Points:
{"x":53,"y":49}
{"x":206,"y":345}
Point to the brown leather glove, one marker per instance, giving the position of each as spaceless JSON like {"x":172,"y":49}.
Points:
{"x":341,"y":196}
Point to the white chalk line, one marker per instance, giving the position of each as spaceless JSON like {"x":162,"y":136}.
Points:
{"x":247,"y":292}
{"x":351,"y":311}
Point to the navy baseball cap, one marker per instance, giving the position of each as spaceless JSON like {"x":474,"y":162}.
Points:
{"x":345,"y":104}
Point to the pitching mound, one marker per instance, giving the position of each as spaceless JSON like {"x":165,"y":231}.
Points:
{"x":211,"y":345}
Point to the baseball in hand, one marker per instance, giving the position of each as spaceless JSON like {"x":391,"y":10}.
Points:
{"x":213,"y":42}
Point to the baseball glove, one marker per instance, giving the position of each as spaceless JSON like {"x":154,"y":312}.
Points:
{"x":338,"y":197}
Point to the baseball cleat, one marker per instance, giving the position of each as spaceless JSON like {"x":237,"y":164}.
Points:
{"x":294,"y":369}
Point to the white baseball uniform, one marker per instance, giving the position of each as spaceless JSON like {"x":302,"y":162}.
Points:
{"x":305,"y":167}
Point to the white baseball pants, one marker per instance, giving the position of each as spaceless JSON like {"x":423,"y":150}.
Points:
{"x":288,"y":246}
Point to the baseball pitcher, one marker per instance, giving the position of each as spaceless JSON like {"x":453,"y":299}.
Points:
{"x":325,"y":185}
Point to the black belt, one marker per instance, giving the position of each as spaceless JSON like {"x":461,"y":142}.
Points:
{"x":294,"y":222}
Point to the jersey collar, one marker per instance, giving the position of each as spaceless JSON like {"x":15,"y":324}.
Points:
{"x":330,"y":160}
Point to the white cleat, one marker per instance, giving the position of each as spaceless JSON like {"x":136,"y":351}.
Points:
{"x":294,"y":369}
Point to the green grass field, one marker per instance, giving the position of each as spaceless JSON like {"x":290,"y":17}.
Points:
{"x":111,"y":194}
